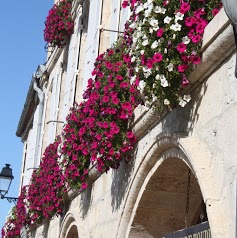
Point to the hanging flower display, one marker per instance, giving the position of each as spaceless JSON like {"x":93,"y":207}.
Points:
{"x":47,"y":189}
{"x":97,"y":129}
{"x":165,"y":40}
{"x":12,"y":226}
{"x":161,"y":44}
{"x":59,"y":24}
{"x":17,"y":218}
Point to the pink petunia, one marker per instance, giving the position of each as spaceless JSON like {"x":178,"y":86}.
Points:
{"x":119,"y":77}
{"x":84,"y":185}
{"x":182,"y":68}
{"x":196,"y":59}
{"x":127,"y":58}
{"x":181,"y":47}
{"x":196,"y":38}
{"x":184,"y":7}
{"x":124,"y":4}
{"x":215,"y":11}
{"x":185,"y":82}
{"x":160,"y":32}
{"x":149,"y":63}
{"x":157,"y":57}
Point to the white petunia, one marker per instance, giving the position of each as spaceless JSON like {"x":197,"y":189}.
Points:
{"x":144,"y":20}
{"x":175,"y":27}
{"x":185,"y":40}
{"x":182,"y":103}
{"x":145,"y":42}
{"x":135,"y":39}
{"x":170,"y":67}
{"x":151,"y":30}
{"x":179,"y":16}
{"x":167,"y":20}
{"x":148,"y":5}
{"x":133,"y":25}
{"x":142,"y":85}
{"x":132,"y":79}
{"x":133,"y":59}
{"x":147,"y":74}
{"x":159,"y":9}
{"x":142,"y":52}
{"x":139,"y":34}
{"x":154,"y":44}
{"x":164,"y":83}
{"x":148,"y":12}
{"x":145,"y":5}
{"x":146,"y":71}
{"x":140,"y":8}
{"x":147,"y":105}
{"x":166,"y":102}
{"x":136,"y":48}
{"x":154,"y":22}
{"x":187,"y":98}
{"x":150,"y":1}
{"x":154,"y":98}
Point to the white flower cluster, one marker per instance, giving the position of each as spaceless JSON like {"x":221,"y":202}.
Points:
{"x":146,"y":26}
{"x":183,"y":101}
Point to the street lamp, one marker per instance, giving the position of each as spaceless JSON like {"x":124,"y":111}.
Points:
{"x":6,"y":178}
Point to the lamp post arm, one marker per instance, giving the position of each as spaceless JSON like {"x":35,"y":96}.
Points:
{"x":11,"y":199}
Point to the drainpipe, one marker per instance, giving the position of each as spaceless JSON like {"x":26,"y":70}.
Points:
{"x":36,"y":77}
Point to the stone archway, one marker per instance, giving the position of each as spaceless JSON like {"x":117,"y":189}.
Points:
{"x":69,"y":227}
{"x":162,"y":207}
{"x":163,"y":149}
{"x":72,"y":232}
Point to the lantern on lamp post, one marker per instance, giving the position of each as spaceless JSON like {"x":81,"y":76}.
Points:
{"x":6,"y":178}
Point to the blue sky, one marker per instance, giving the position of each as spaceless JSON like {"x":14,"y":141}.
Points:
{"x":22,"y":50}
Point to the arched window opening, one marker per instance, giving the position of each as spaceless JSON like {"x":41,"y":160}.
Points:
{"x":171,"y":201}
{"x":72,"y":232}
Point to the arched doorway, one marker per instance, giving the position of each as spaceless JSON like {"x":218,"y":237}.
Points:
{"x":171,"y":197}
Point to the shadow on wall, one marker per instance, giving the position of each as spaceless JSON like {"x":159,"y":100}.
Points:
{"x":121,"y":179}
{"x":177,"y":123}
{"x":46,"y":229}
{"x":86,"y":200}
{"x":180,"y":122}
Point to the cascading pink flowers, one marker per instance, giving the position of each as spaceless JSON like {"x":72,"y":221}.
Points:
{"x":97,"y":129}
{"x":47,"y":191}
{"x":155,"y":57}
{"x":165,"y":39}
{"x":18,"y":218}
{"x":59,"y":24}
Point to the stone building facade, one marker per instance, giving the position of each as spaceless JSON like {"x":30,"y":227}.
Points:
{"x":192,"y":147}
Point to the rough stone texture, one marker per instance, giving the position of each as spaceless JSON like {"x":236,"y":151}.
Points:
{"x":147,"y":197}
